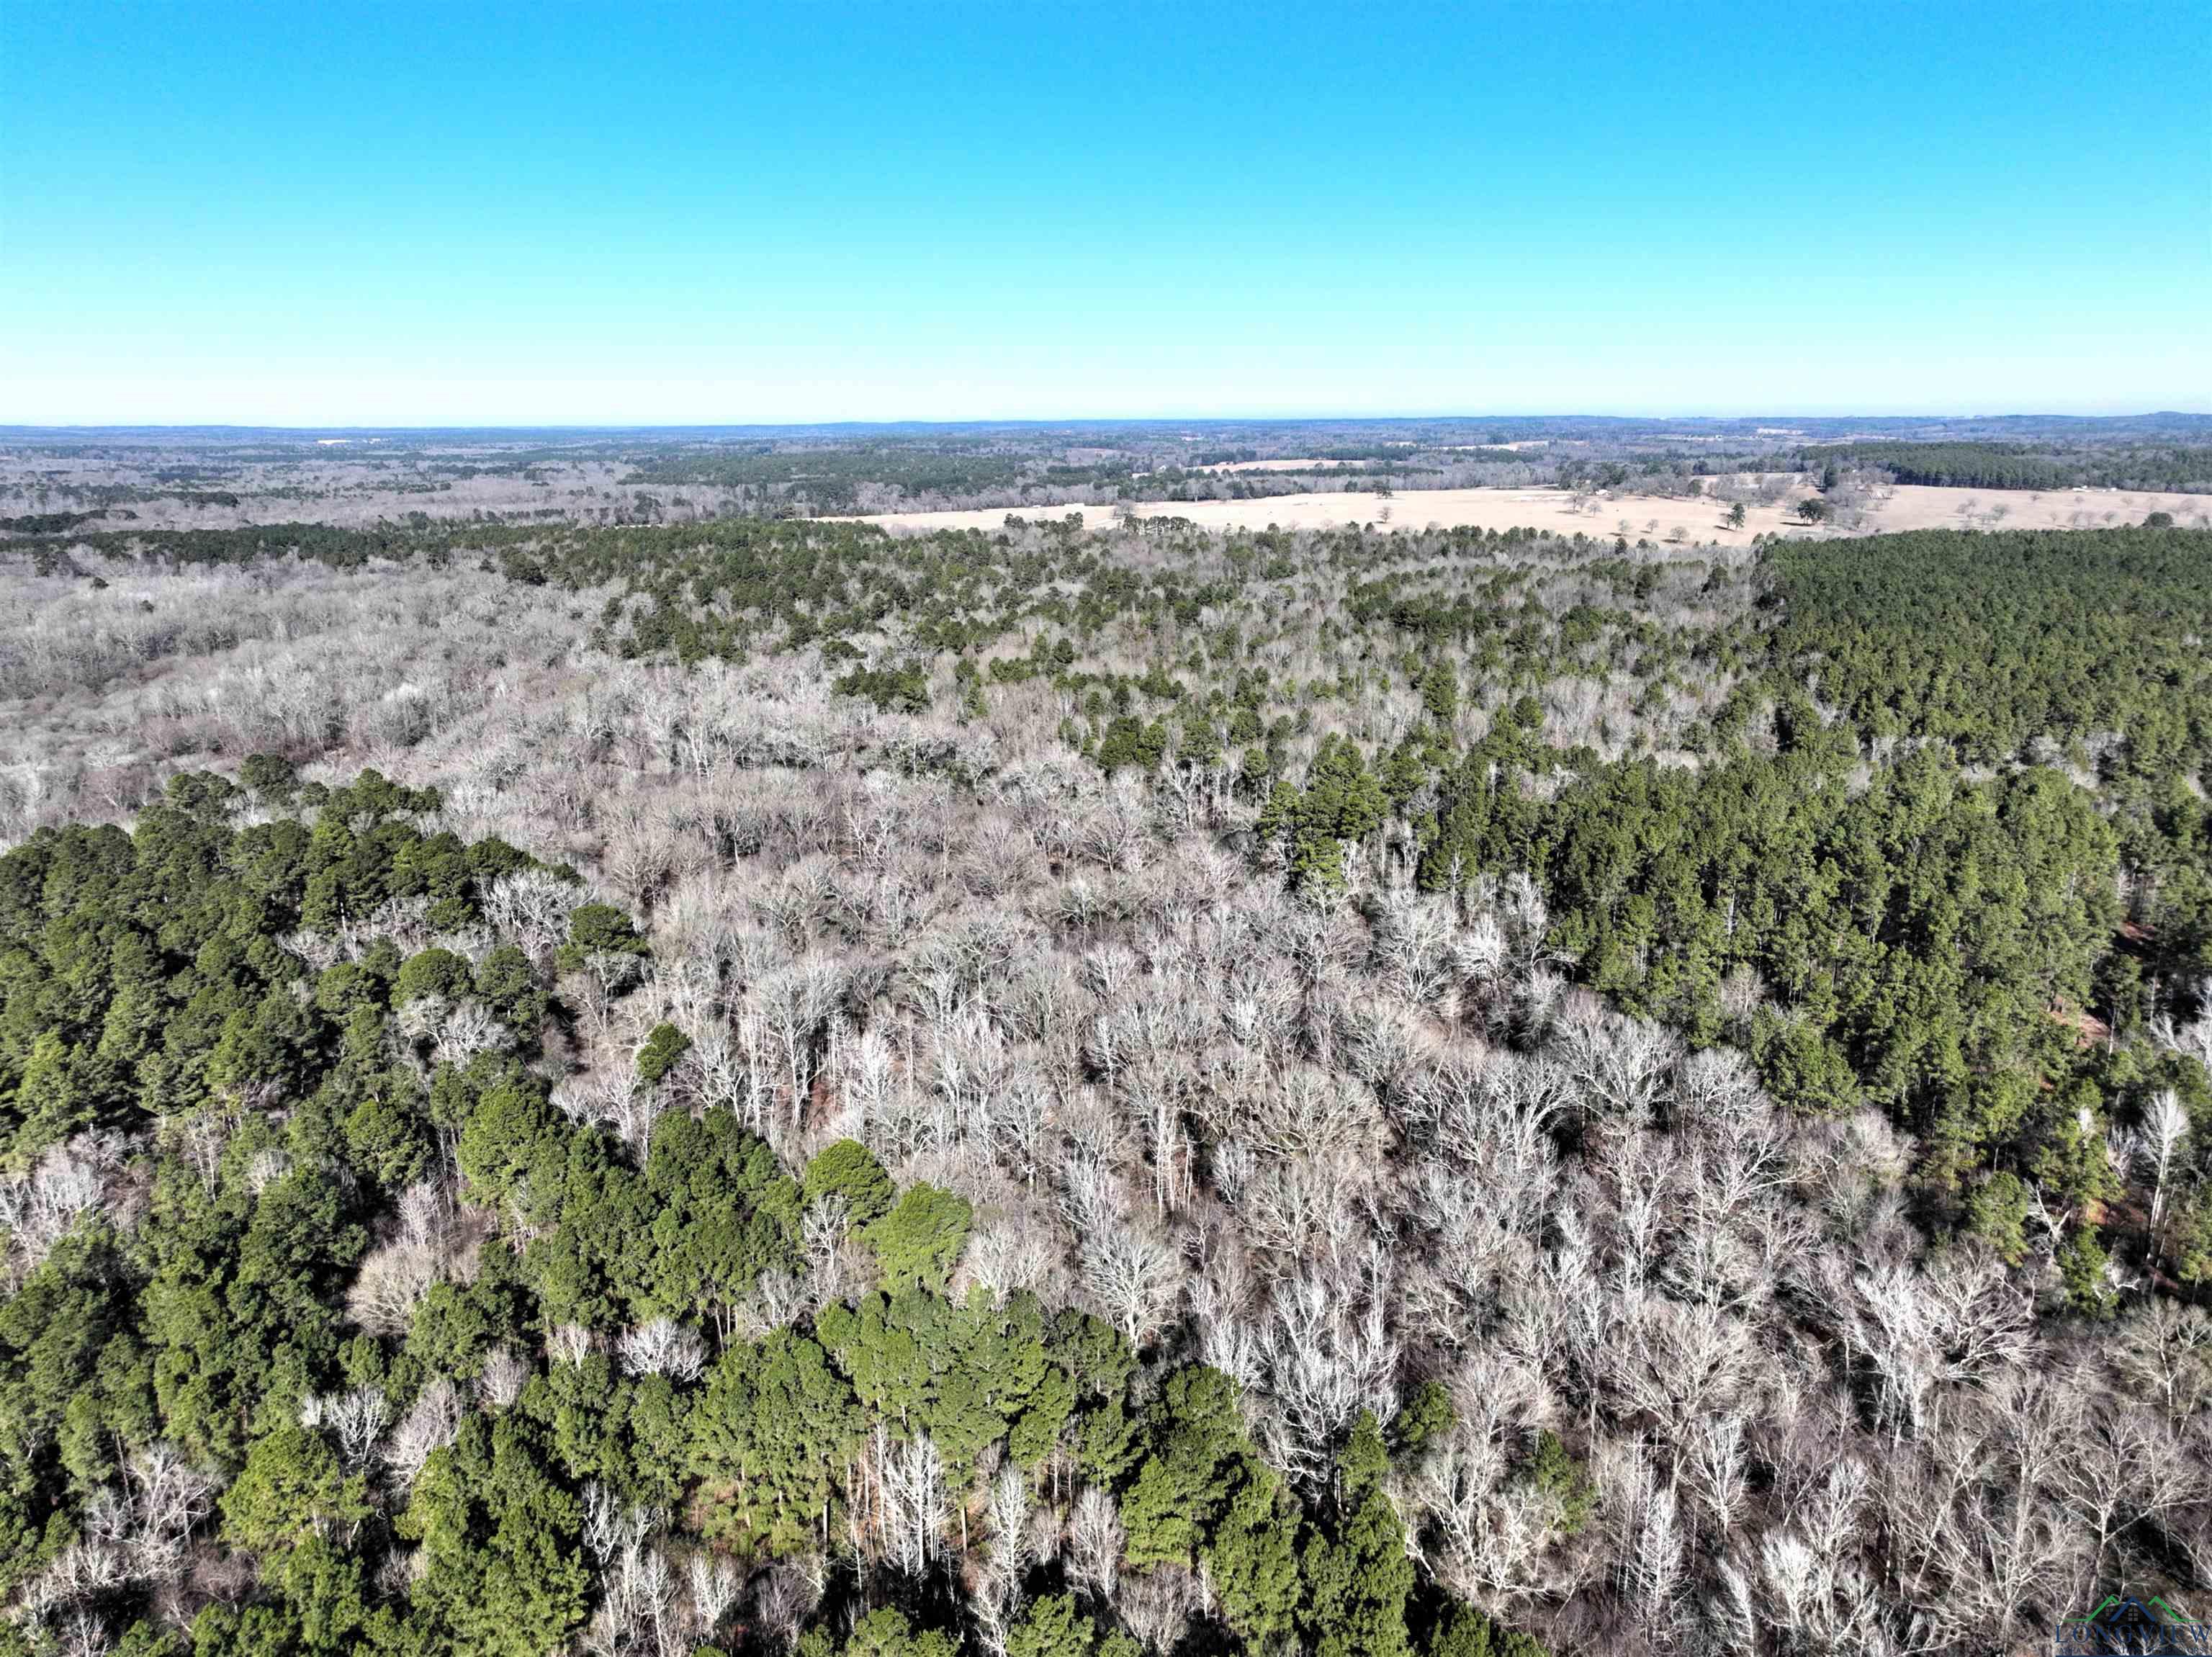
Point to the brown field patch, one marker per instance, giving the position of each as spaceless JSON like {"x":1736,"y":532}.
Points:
{"x":1646,"y":516}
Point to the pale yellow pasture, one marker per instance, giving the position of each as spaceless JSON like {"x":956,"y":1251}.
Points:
{"x":1638,"y":516}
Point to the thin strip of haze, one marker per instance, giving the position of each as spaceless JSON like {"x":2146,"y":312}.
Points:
{"x":572,"y":213}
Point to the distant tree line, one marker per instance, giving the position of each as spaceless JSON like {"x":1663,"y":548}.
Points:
{"x":2178,"y":468}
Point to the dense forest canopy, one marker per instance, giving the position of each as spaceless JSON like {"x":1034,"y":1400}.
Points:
{"x":2092,"y":643}
{"x":2178,"y":467}
{"x":1052,"y":1091}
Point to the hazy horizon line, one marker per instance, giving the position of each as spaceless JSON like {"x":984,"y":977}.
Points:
{"x":2203,"y":413}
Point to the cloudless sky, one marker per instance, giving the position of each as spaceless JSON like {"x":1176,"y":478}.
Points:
{"x":388,"y":213}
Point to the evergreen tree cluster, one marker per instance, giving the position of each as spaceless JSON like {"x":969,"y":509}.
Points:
{"x":2180,"y":467}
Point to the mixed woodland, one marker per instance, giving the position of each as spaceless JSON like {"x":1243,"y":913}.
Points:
{"x":762,"y":1087}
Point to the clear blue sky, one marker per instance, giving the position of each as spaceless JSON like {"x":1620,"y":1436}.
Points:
{"x":393,"y":213}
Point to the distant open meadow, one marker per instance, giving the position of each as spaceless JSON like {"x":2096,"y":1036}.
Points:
{"x":1771,"y":508}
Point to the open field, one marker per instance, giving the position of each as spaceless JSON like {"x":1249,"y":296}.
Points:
{"x":1291,"y":464}
{"x":1919,"y":506}
{"x":1449,"y":508}
{"x":1700,"y":518}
